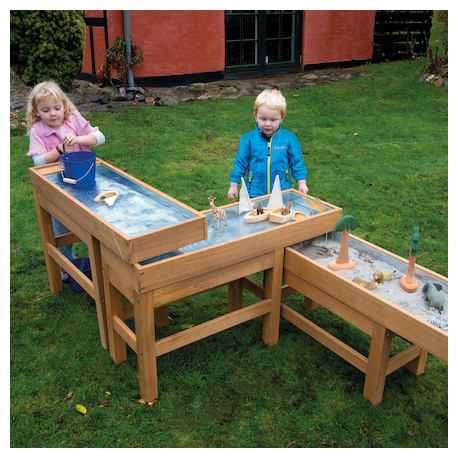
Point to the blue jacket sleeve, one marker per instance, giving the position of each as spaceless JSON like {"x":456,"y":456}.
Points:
{"x":242,"y":159}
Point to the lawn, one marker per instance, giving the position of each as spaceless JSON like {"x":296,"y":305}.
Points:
{"x":377,"y":146}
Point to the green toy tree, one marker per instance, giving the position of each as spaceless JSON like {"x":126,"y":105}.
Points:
{"x":345,"y":224}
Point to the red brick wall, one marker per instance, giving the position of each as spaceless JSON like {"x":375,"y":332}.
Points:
{"x":173,"y":42}
{"x":336,"y":36}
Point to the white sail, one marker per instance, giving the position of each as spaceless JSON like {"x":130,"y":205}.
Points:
{"x":276,"y":197}
{"x":245,"y":204}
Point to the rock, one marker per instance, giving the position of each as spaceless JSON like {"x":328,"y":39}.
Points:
{"x":309,"y":76}
{"x":438,"y":82}
{"x":229,"y":90}
{"x":140,"y":97}
{"x":167,"y":101}
{"x":423,"y":77}
{"x":196,"y":87}
{"x":262,"y":86}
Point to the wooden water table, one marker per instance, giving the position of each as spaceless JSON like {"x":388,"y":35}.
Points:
{"x":228,"y":256}
{"x":375,"y":316}
{"x":134,"y":227}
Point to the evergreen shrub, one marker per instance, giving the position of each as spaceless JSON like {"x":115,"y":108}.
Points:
{"x":47,"y":45}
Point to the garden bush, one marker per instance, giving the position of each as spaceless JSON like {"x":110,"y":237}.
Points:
{"x":47,"y":45}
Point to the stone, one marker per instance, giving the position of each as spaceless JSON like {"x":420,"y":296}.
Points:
{"x":309,"y":76}
{"x":167,"y":101}
{"x":196,"y":87}
{"x":438,"y":82}
{"x":262,"y":86}
{"x":229,"y":90}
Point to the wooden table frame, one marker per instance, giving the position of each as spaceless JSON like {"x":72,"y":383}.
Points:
{"x":86,"y":226}
{"x":152,"y":287}
{"x":373,"y":315}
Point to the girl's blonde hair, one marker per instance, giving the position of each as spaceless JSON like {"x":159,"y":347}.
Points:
{"x":44,"y":91}
{"x":273,"y":99}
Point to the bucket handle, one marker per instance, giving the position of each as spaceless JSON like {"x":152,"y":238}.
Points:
{"x":72,"y":180}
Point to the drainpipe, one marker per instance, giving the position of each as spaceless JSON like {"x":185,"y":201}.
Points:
{"x":130,"y":76}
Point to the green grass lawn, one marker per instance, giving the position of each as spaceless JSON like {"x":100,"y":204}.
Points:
{"x":377,"y":147}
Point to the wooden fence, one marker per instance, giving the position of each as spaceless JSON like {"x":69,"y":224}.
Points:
{"x":401,"y":34}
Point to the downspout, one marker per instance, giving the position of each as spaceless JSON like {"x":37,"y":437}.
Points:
{"x":130,"y":76}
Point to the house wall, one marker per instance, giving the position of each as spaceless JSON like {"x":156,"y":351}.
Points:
{"x":193,"y":42}
{"x":337,"y":36}
{"x":173,"y":42}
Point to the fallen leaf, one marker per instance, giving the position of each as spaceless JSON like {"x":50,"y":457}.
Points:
{"x":107,"y":392}
{"x":69,"y":397}
{"x":410,"y":433}
{"x":80,"y":408}
{"x":121,"y":408}
{"x":104,"y":402}
{"x":17,"y":250}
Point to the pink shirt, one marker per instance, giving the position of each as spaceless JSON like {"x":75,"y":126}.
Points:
{"x":44,"y":138}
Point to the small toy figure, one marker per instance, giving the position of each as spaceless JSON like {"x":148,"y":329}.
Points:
{"x":217,"y":213}
{"x":315,"y":205}
{"x":343,"y":262}
{"x":380,"y":278}
{"x":259,"y":210}
{"x":287,"y":209}
{"x":408,"y":282}
{"x":366,"y":284}
{"x":432,"y":294}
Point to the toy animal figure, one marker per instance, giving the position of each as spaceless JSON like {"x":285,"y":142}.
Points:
{"x":259,"y":210}
{"x":432,"y":294}
{"x":217,"y":213}
{"x":315,"y":205}
{"x":366,"y":284}
{"x":380,"y":278}
{"x":287,"y":209}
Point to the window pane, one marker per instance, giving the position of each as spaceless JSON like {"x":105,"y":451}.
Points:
{"x":233,"y":28}
{"x":273,"y":26}
{"x":287,"y":25}
{"x":233,"y":54}
{"x":272,"y":47}
{"x":287,"y":50}
{"x":250,"y":52}
{"x":249,"y":27}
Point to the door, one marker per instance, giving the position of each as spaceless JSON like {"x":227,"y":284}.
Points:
{"x":262,"y":43}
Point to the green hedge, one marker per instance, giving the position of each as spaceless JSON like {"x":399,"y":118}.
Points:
{"x":47,"y":45}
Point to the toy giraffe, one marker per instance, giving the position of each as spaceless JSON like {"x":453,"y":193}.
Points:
{"x":217,"y":213}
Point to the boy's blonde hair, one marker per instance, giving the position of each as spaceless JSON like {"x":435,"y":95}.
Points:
{"x":44,"y":91}
{"x":273,"y":99}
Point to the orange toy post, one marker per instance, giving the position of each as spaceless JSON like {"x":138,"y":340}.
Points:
{"x":343,"y":262}
{"x":408,"y":282}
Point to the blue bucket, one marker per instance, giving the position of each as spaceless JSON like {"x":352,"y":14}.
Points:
{"x":86,"y":271}
{"x":79,"y":168}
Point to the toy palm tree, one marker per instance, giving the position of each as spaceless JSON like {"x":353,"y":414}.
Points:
{"x":408,"y":282}
{"x":345,"y":224}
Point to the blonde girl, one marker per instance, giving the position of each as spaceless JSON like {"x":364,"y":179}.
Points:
{"x":55,"y":126}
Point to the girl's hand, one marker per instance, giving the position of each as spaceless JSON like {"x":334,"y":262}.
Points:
{"x":69,"y":143}
{"x":233,"y":191}
{"x":302,"y":186}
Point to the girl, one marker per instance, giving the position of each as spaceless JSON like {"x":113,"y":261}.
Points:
{"x":55,"y":126}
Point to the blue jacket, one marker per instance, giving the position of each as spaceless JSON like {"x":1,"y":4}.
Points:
{"x":264,"y":160}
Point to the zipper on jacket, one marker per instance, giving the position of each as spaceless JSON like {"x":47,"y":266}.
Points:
{"x":269,"y":145}
{"x":249,"y":179}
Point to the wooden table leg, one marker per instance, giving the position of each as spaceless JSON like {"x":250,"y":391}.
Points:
{"x":273,"y":282}
{"x":309,"y":304}
{"x":47,"y":236}
{"x":97,"y":280}
{"x":417,"y":365}
{"x":161,"y":317}
{"x":379,"y":355}
{"x":114,"y":311}
{"x":235,"y":294}
{"x":146,"y":345}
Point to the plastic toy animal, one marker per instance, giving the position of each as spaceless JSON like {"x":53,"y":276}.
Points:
{"x":432,"y":294}
{"x":380,"y":278}
{"x":259,"y":210}
{"x":287,"y":209}
{"x":217,"y":213}
{"x":366,"y":284}
{"x":315,"y":205}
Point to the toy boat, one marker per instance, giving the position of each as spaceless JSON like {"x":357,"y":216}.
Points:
{"x":109,"y":197}
{"x":299,"y":216}
{"x":277,"y":216}
{"x":253,"y":217}
{"x":245,"y":203}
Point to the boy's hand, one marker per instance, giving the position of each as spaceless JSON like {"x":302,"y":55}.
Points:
{"x":233,"y":191}
{"x":302,"y":186}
